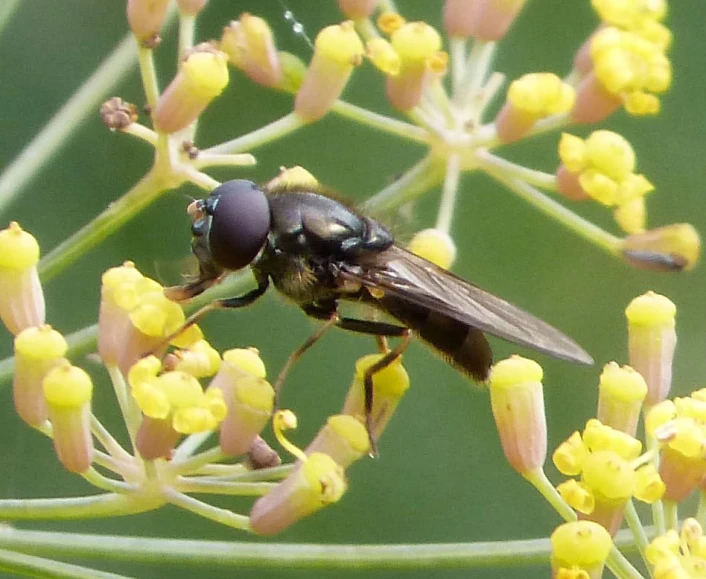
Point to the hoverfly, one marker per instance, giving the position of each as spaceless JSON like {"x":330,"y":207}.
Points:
{"x":318,"y":251}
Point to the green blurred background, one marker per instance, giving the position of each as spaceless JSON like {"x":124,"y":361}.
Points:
{"x":441,"y":476}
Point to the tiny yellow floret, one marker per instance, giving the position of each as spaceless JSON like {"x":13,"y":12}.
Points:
{"x":256,"y":393}
{"x":416,"y":41}
{"x":340,"y":43}
{"x":581,"y":543}
{"x":623,"y":382}
{"x":392,"y":380}
{"x":40,"y":342}
{"x":541,"y":94}
{"x":206,"y":73}
{"x":350,"y":429}
{"x":434,"y":245}
{"x":383,"y":56}
{"x":651,"y":309}
{"x":247,"y":359}
{"x":515,"y":370}
{"x":18,"y":249}
{"x":67,"y":386}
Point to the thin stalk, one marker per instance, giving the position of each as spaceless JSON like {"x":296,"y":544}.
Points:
{"x":448,"y":195}
{"x":558,"y":212}
{"x":416,"y":181}
{"x":539,"y":179}
{"x":210,"y":486}
{"x":90,"y":507}
{"x":185,"y":463}
{"x":381,"y":122}
{"x":275,"y":555}
{"x":19,"y":564}
{"x":144,"y":193}
{"x":636,"y":527}
{"x":275,"y":130}
{"x":216,"y":514}
{"x":131,"y":415}
{"x":671,"y":514}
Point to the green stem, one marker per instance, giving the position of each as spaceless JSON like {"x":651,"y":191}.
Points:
{"x":416,"y":181}
{"x":657,"y":506}
{"x":275,"y":130}
{"x":97,"y":506}
{"x":274,"y":555}
{"x":448,"y":195}
{"x":108,"y":441}
{"x":211,"y":160}
{"x":671,"y":513}
{"x":128,"y":408}
{"x":381,"y":122}
{"x":187,"y":28}
{"x":539,"y":480}
{"x":539,"y":179}
{"x":148,"y":73}
{"x":106,"y":484}
{"x":183,"y":463}
{"x":29,"y":566}
{"x":216,"y":514}
{"x":701,"y":510}
{"x":638,"y":531}
{"x":210,"y":486}
{"x":558,"y":212}
{"x":145,"y":192}
{"x":82,"y":104}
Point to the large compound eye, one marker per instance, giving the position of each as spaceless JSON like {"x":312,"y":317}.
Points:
{"x":240,"y":223}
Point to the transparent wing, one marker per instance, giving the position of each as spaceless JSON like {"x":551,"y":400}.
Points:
{"x":410,"y":278}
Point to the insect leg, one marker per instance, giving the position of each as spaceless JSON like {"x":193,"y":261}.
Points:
{"x":380,"y":365}
{"x":234,"y":302}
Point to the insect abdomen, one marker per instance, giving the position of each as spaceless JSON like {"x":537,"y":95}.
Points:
{"x":464,"y":346}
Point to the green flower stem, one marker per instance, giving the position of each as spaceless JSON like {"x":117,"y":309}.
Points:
{"x":108,"y":441}
{"x":128,"y":408}
{"x":381,"y":122}
{"x":82,"y":104}
{"x":201,"y":485}
{"x":416,"y":181}
{"x":539,"y":179}
{"x":7,"y":9}
{"x":273,"y":473}
{"x":477,"y":66}
{"x":457,"y":56}
{"x":275,"y":130}
{"x":187,"y":29}
{"x":148,"y":73}
{"x":657,"y":506}
{"x":189,"y":445}
{"x":274,"y":555}
{"x":90,"y":507}
{"x":145,"y":192}
{"x":106,"y":484}
{"x":109,"y":463}
{"x":18,"y":564}
{"x":558,"y":212}
{"x":141,"y":132}
{"x":222,"y":471}
{"x":671,"y":514}
{"x":212,"y":160}
{"x":185,"y":463}
{"x":701,"y":510}
{"x":638,"y":531}
{"x":448,"y":196}
{"x":216,"y":514}
{"x":538,"y":479}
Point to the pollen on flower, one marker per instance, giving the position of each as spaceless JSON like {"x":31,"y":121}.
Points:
{"x":381,"y":53}
{"x":577,"y":496}
{"x":621,"y":392}
{"x":651,"y":309}
{"x":18,"y":249}
{"x":343,"y":438}
{"x":67,"y":386}
{"x":200,"y":360}
{"x":570,"y":455}
{"x":296,"y":176}
{"x":678,"y":554}
{"x":389,"y":22}
{"x":340,"y":43}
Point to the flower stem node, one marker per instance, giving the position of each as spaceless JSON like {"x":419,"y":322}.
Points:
{"x":146,"y":18}
{"x":343,"y":438}
{"x":517,"y":401}
{"x":37,"y":351}
{"x":530,"y":98}
{"x":421,"y":62}
{"x":317,"y":482}
{"x":202,"y":76}
{"x":434,"y":245}
{"x":389,"y":385}
{"x":337,"y":51}
{"x":621,"y":391}
{"x":250,"y":46}
{"x":652,"y":340}
{"x":580,"y":546}
{"x":68,"y":391}
{"x":21,"y":295}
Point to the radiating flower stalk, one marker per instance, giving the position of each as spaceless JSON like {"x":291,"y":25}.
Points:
{"x":175,"y":391}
